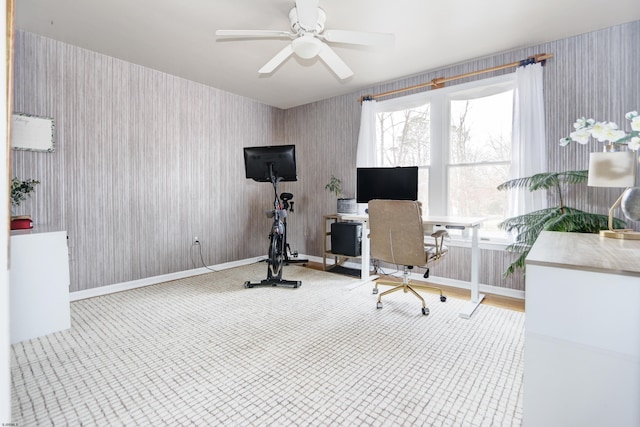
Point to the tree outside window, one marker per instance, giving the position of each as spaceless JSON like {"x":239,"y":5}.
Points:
{"x":480,"y":157}
{"x":465,"y":161}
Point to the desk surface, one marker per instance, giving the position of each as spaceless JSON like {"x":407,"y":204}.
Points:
{"x":461,"y":221}
{"x":585,"y":251}
{"x":37,"y":229}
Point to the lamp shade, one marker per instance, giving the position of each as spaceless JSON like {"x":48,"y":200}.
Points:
{"x":612,"y":169}
{"x":306,"y":47}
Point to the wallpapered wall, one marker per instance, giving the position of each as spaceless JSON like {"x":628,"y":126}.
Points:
{"x":145,"y":161}
{"x":593,"y":75}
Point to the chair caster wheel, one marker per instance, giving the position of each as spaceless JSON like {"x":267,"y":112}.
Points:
{"x":379,"y":305}
{"x":443,"y":298}
{"x":374,"y":291}
{"x":248,"y":285}
{"x":425,"y":311}
{"x":297,"y":285}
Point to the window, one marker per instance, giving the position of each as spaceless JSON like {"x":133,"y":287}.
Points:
{"x":460,"y":138}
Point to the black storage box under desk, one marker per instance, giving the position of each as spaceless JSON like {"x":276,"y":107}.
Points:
{"x":346,"y":238}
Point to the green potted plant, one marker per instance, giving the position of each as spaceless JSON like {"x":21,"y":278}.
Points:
{"x":334,"y":186}
{"x":345,"y":205}
{"x":527,"y":227}
{"x":20,"y":191}
{"x":564,"y":218}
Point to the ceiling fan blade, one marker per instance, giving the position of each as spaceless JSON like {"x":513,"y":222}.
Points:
{"x":334,"y":62}
{"x":254,"y":33}
{"x":276,"y":60}
{"x":359,"y":37}
{"x":307,"y":14}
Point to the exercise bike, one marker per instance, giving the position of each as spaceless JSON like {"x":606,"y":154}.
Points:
{"x":287,"y":205}
{"x":277,"y":256}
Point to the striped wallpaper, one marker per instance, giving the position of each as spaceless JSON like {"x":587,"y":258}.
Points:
{"x":595,"y":74}
{"x":145,"y":161}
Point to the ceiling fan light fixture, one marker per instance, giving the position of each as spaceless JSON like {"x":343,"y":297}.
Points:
{"x":306,"y":47}
{"x":308,"y":39}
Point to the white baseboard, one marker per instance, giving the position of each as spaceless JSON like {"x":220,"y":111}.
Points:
{"x":487,"y":289}
{"x":125,"y":286}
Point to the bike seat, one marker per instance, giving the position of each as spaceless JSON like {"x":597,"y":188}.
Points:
{"x":286,"y":197}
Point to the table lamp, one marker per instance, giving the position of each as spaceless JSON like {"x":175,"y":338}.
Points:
{"x":614,"y":169}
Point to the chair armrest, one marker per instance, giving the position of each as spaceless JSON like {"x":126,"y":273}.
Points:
{"x":440,"y":233}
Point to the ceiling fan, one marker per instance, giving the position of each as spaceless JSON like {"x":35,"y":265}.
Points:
{"x":309,"y":38}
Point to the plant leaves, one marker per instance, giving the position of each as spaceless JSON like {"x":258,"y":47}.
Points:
{"x":581,"y":222}
{"x":545,"y":181}
{"x":529,"y":226}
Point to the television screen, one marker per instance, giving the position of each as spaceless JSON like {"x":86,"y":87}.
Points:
{"x":260,"y":162}
{"x":399,"y":183}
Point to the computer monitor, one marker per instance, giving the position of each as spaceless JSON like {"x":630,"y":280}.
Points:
{"x":398,"y":183}
{"x":261,"y":162}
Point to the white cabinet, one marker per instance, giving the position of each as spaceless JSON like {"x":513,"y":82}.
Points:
{"x":582,"y":332}
{"x":39,"y":283}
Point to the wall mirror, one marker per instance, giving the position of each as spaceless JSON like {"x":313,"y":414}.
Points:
{"x":32,"y":133}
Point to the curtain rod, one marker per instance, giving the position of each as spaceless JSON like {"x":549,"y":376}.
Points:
{"x":439,"y":82}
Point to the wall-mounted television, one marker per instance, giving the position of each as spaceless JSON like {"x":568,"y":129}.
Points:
{"x":398,"y":183}
{"x":260,"y":162}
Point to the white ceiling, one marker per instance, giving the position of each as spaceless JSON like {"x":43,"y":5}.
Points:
{"x":178,"y":37}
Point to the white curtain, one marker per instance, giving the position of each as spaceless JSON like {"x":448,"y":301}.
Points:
{"x":529,"y":148}
{"x":366,"y":153}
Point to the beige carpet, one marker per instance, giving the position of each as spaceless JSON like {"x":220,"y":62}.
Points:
{"x":206,"y":351}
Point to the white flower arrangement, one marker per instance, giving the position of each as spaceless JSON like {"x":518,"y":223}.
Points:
{"x":606,"y":132}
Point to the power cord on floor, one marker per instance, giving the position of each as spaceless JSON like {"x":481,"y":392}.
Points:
{"x":197,"y":243}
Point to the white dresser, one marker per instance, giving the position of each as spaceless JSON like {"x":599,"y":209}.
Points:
{"x":582,"y":332}
{"x":39,"y":283}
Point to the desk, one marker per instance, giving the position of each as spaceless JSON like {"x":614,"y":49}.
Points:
{"x":582,"y":331}
{"x":458,"y":223}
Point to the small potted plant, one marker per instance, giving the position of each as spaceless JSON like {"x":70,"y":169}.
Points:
{"x":20,"y":190}
{"x":345,"y":205}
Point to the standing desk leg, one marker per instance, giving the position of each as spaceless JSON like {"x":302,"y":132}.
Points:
{"x":476,"y":296}
{"x":365,"y":258}
{"x":365,"y":254}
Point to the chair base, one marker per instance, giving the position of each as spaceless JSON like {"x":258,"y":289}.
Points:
{"x":406,"y":286}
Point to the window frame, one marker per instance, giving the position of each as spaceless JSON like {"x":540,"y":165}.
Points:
{"x":440,"y":125}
